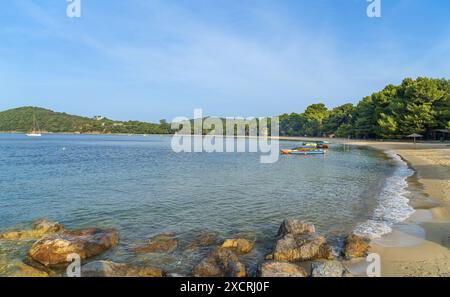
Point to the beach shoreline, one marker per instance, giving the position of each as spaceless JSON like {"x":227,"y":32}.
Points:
{"x":419,"y":246}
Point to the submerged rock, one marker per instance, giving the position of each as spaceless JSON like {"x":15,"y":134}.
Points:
{"x":54,"y":249}
{"x":295,"y":227}
{"x":221,"y":262}
{"x":21,"y":269}
{"x":162,"y":243}
{"x":329,"y":269}
{"x":111,"y":269}
{"x":240,"y":245}
{"x":301,"y":248}
{"x":15,"y":235}
{"x":356,"y":246}
{"x":45,"y":226}
{"x":281,"y":269}
{"x":204,"y":239}
{"x":40,"y":228}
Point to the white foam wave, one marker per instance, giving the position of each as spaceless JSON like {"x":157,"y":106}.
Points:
{"x":393,"y":206}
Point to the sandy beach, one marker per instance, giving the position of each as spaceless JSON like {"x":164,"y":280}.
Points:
{"x":420,"y":246}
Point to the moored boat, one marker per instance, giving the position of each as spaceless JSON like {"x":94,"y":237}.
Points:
{"x":303,"y":152}
{"x":35,"y":131}
{"x":304,"y":148}
{"x":322,"y":144}
{"x":310,"y":144}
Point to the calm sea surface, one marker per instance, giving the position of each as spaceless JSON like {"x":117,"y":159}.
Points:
{"x":141,"y":187}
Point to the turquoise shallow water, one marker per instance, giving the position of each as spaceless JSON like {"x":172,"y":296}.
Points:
{"x":141,"y":187}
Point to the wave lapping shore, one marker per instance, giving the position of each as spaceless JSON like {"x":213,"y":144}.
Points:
{"x":393,"y":206}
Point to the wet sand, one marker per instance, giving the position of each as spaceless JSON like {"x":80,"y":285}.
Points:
{"x":420,"y":246}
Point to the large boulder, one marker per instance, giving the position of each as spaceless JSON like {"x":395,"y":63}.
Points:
{"x":221,"y":262}
{"x":111,"y":269}
{"x":162,"y":243}
{"x":301,"y":248}
{"x":54,"y":249}
{"x":356,"y":246}
{"x":240,"y":245}
{"x":281,"y":269}
{"x":40,"y":228}
{"x":295,"y":227}
{"x":329,"y":269}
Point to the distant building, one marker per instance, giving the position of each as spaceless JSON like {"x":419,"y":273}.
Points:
{"x":98,"y":118}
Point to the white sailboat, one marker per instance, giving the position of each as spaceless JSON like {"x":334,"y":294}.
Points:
{"x":35,"y":131}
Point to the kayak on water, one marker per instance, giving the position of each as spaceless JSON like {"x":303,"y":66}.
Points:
{"x":308,"y":148}
{"x":304,"y":148}
{"x":323,"y":144}
{"x":303,"y":152}
{"x":310,"y":144}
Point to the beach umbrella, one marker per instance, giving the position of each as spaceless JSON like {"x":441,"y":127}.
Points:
{"x":414,"y":136}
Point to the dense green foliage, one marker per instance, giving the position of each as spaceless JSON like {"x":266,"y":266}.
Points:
{"x":21,"y":120}
{"x":415,"y":106}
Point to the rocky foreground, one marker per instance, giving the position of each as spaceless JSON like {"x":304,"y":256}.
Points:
{"x":297,"y":245}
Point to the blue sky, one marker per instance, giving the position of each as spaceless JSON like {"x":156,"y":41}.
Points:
{"x":153,"y":59}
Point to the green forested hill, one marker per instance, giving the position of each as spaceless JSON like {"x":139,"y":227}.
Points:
{"x":415,"y":106}
{"x":21,"y":120}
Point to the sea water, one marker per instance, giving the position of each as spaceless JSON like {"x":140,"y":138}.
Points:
{"x":140,"y":186}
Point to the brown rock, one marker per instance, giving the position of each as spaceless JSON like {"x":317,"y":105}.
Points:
{"x":356,"y":246}
{"x":40,"y":228}
{"x":162,"y":243}
{"x":14,"y":235}
{"x":54,"y":249}
{"x":221,"y":262}
{"x":241,"y":245}
{"x":24,"y":270}
{"x":111,"y":269}
{"x":203,"y":240}
{"x":296,"y":227}
{"x":281,"y":269}
{"x":301,"y":248}
{"x":329,"y":269}
{"x":45,"y":226}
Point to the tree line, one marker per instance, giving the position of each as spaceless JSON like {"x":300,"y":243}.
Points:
{"x":415,"y":106}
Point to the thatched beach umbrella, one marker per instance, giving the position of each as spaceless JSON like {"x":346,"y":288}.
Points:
{"x":415,"y":136}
